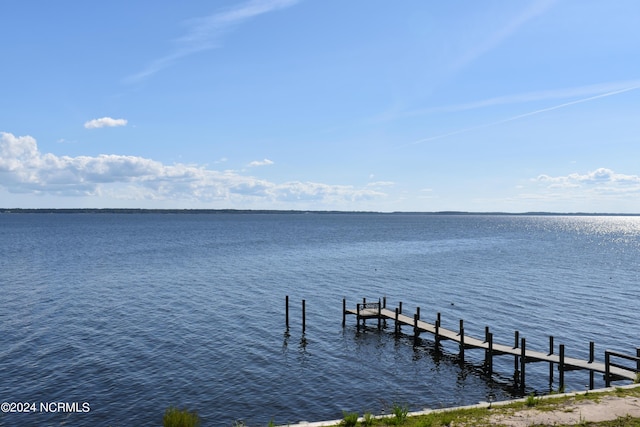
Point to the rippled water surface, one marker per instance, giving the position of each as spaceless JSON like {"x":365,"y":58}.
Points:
{"x":133,"y":313}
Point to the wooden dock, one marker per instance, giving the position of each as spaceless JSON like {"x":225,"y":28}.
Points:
{"x":611,"y":371}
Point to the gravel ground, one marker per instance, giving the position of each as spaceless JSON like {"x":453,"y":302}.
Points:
{"x":608,"y":408}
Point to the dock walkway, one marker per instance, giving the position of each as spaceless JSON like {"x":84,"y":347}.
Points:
{"x":611,"y":371}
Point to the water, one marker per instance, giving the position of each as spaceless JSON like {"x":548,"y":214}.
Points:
{"x":133,"y":313}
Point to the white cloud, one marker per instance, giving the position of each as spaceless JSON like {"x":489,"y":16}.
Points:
{"x":600,"y":177}
{"x":265,"y":162}
{"x":24,"y":169}
{"x":104,"y":122}
{"x":600,"y":190}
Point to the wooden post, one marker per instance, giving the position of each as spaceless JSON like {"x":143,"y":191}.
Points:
{"x":364,"y":319}
{"x":344,"y":312}
{"x":358,"y":317}
{"x":286,"y":303}
{"x":416,"y":330}
{"x":550,"y":363}
{"x":592,"y":353}
{"x":384,"y":305}
{"x":489,"y":355}
{"x":397,"y":326}
{"x":638,"y":361}
{"x":461,"y":341}
{"x":561,"y":369}
{"x":379,"y":314}
{"x":523,"y":361}
{"x":607,"y":368}
{"x":486,"y":352}
{"x":437,"y":334}
{"x":400,"y":306}
{"x":304,"y":316}
{"x":515,"y":358}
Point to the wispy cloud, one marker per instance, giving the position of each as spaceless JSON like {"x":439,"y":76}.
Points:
{"x":381,"y":184}
{"x":536,"y":9}
{"x":205,"y":33}
{"x":613,"y":89}
{"x":542,"y":95}
{"x":24,"y":169}
{"x":104,"y":122}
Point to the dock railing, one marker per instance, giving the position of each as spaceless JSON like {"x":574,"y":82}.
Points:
{"x":608,"y":354}
{"x":371,"y":307}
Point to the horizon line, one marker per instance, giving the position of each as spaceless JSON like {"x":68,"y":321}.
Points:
{"x":300,"y":211}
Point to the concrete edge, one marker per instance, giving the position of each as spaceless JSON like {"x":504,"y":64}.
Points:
{"x":487,"y":405}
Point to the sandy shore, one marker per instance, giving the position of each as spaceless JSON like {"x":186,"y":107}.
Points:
{"x":608,"y":407}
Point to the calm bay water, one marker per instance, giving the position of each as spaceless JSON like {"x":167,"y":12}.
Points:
{"x":132,"y":313}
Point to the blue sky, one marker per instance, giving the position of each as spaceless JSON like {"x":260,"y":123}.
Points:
{"x":370,"y":105}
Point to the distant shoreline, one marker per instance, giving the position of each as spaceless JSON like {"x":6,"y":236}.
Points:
{"x":275,"y":211}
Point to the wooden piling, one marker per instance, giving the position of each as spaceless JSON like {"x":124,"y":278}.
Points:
{"x":437,"y":331}
{"x":379,"y":314}
{"x":364,"y":319}
{"x":523,"y":362}
{"x":561,"y":369}
{"x":344,"y":312}
{"x":304,"y":316}
{"x":592,"y":353}
{"x":607,"y":369}
{"x":515,"y":358}
{"x":384,"y":305}
{"x":486,"y":351}
{"x":550,"y":363}
{"x":397,"y":324}
{"x":461,"y":341}
{"x":286,"y":304}
{"x":489,"y":355}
